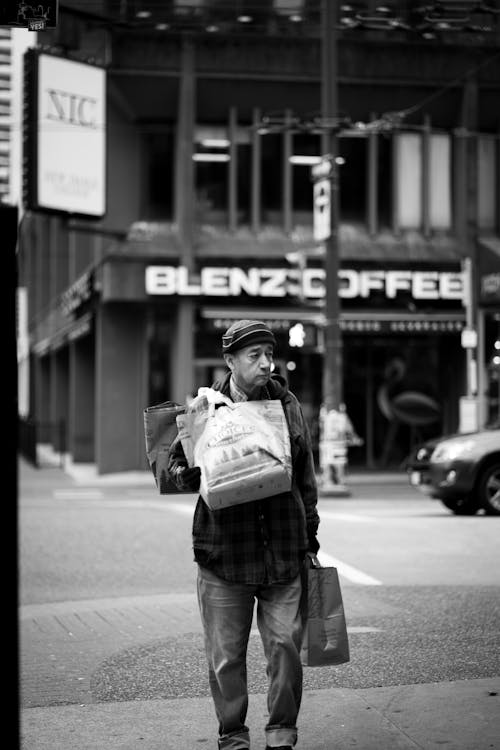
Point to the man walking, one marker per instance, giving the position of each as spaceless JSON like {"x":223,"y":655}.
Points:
{"x":254,"y":552}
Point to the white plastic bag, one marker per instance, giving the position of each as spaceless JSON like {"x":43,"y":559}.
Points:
{"x":242,"y":449}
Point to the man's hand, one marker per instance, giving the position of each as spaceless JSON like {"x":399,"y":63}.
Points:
{"x":313,"y":543}
{"x":188,"y":478}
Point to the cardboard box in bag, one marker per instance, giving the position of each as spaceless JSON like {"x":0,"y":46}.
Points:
{"x":242,"y":449}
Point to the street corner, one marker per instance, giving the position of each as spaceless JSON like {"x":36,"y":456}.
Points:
{"x":159,"y":669}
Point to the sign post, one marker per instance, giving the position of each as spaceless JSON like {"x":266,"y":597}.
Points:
{"x":322,"y":200}
{"x":333,"y":458}
{"x":332,"y":418}
{"x":333,"y":449}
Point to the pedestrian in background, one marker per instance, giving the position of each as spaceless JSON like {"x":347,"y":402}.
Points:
{"x":254,"y":552}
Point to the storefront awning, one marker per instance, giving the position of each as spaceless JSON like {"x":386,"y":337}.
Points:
{"x":364,"y":321}
{"x":161,"y":239}
{"x":72,"y":331}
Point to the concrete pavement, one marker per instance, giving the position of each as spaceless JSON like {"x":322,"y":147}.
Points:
{"x":458,"y":715}
{"x":63,"y":645}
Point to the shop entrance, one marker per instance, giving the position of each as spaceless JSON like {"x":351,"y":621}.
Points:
{"x":398,"y":392}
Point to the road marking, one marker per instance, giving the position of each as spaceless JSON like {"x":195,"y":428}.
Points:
{"x":78,"y":494}
{"x":157,"y":505}
{"x":347,"y":517}
{"x":344,"y":569}
{"x":160,"y":505}
{"x":122,"y":503}
{"x":347,"y":571}
{"x":180,"y":508}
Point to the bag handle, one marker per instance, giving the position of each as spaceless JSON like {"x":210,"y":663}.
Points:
{"x":215,"y":397}
{"x":313,"y":561}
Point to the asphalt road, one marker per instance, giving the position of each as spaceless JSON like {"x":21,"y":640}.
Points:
{"x":108,"y":610}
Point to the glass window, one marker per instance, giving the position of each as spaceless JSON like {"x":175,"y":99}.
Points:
{"x":272,"y":178}
{"x":161,"y":336}
{"x":384,"y":181}
{"x":408,"y":198}
{"x":211,"y":173}
{"x":244,"y":158}
{"x":487,"y":182}
{"x":352,"y":179}
{"x":211,"y":190}
{"x":159,"y":175}
{"x":440,"y":181}
{"x":304,"y":145}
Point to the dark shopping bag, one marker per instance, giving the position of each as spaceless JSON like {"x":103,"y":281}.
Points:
{"x":325,"y":640}
{"x":160,"y":430}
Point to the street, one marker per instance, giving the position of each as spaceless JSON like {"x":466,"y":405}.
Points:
{"x":294,"y":205}
{"x":108,"y":606}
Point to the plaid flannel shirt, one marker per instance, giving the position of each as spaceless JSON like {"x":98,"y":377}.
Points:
{"x":263,"y":541}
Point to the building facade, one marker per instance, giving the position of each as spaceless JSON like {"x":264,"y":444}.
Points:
{"x":212,"y":125}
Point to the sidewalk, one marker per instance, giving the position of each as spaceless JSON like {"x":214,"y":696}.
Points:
{"x":458,"y":715}
{"x":86,"y":473}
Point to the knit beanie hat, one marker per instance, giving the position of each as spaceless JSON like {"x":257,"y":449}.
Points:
{"x":246,"y":333}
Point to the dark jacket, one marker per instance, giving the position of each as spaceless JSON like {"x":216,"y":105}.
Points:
{"x":262,"y":540}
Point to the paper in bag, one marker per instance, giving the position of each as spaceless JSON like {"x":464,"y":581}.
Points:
{"x":191,"y":424}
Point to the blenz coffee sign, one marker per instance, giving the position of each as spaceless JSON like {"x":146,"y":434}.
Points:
{"x":309,"y":283}
{"x":64,"y":139}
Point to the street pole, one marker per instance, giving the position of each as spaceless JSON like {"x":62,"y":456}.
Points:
{"x":469,"y":415}
{"x":333,"y":449}
{"x":332,"y":374}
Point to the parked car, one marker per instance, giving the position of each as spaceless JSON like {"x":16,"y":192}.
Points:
{"x":460,"y":470}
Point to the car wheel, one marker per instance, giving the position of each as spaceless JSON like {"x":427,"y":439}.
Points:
{"x":462,"y":506}
{"x":488,"y":489}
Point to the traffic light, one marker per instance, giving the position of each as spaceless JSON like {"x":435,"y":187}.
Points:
{"x":303,"y":336}
{"x":495,"y":360}
{"x":296,"y":335}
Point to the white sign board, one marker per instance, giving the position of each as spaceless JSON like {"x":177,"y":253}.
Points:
{"x":321,"y":213}
{"x":468,"y":414}
{"x":71,"y":145}
{"x":322,"y":169}
{"x":232,"y":281}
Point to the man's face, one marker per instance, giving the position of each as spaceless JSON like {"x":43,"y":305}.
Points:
{"x":251,"y":366}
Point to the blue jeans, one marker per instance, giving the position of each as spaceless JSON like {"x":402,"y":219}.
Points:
{"x":226,"y":612}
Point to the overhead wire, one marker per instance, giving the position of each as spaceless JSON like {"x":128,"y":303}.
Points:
{"x":387,"y":120}
{"x":455,"y":82}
